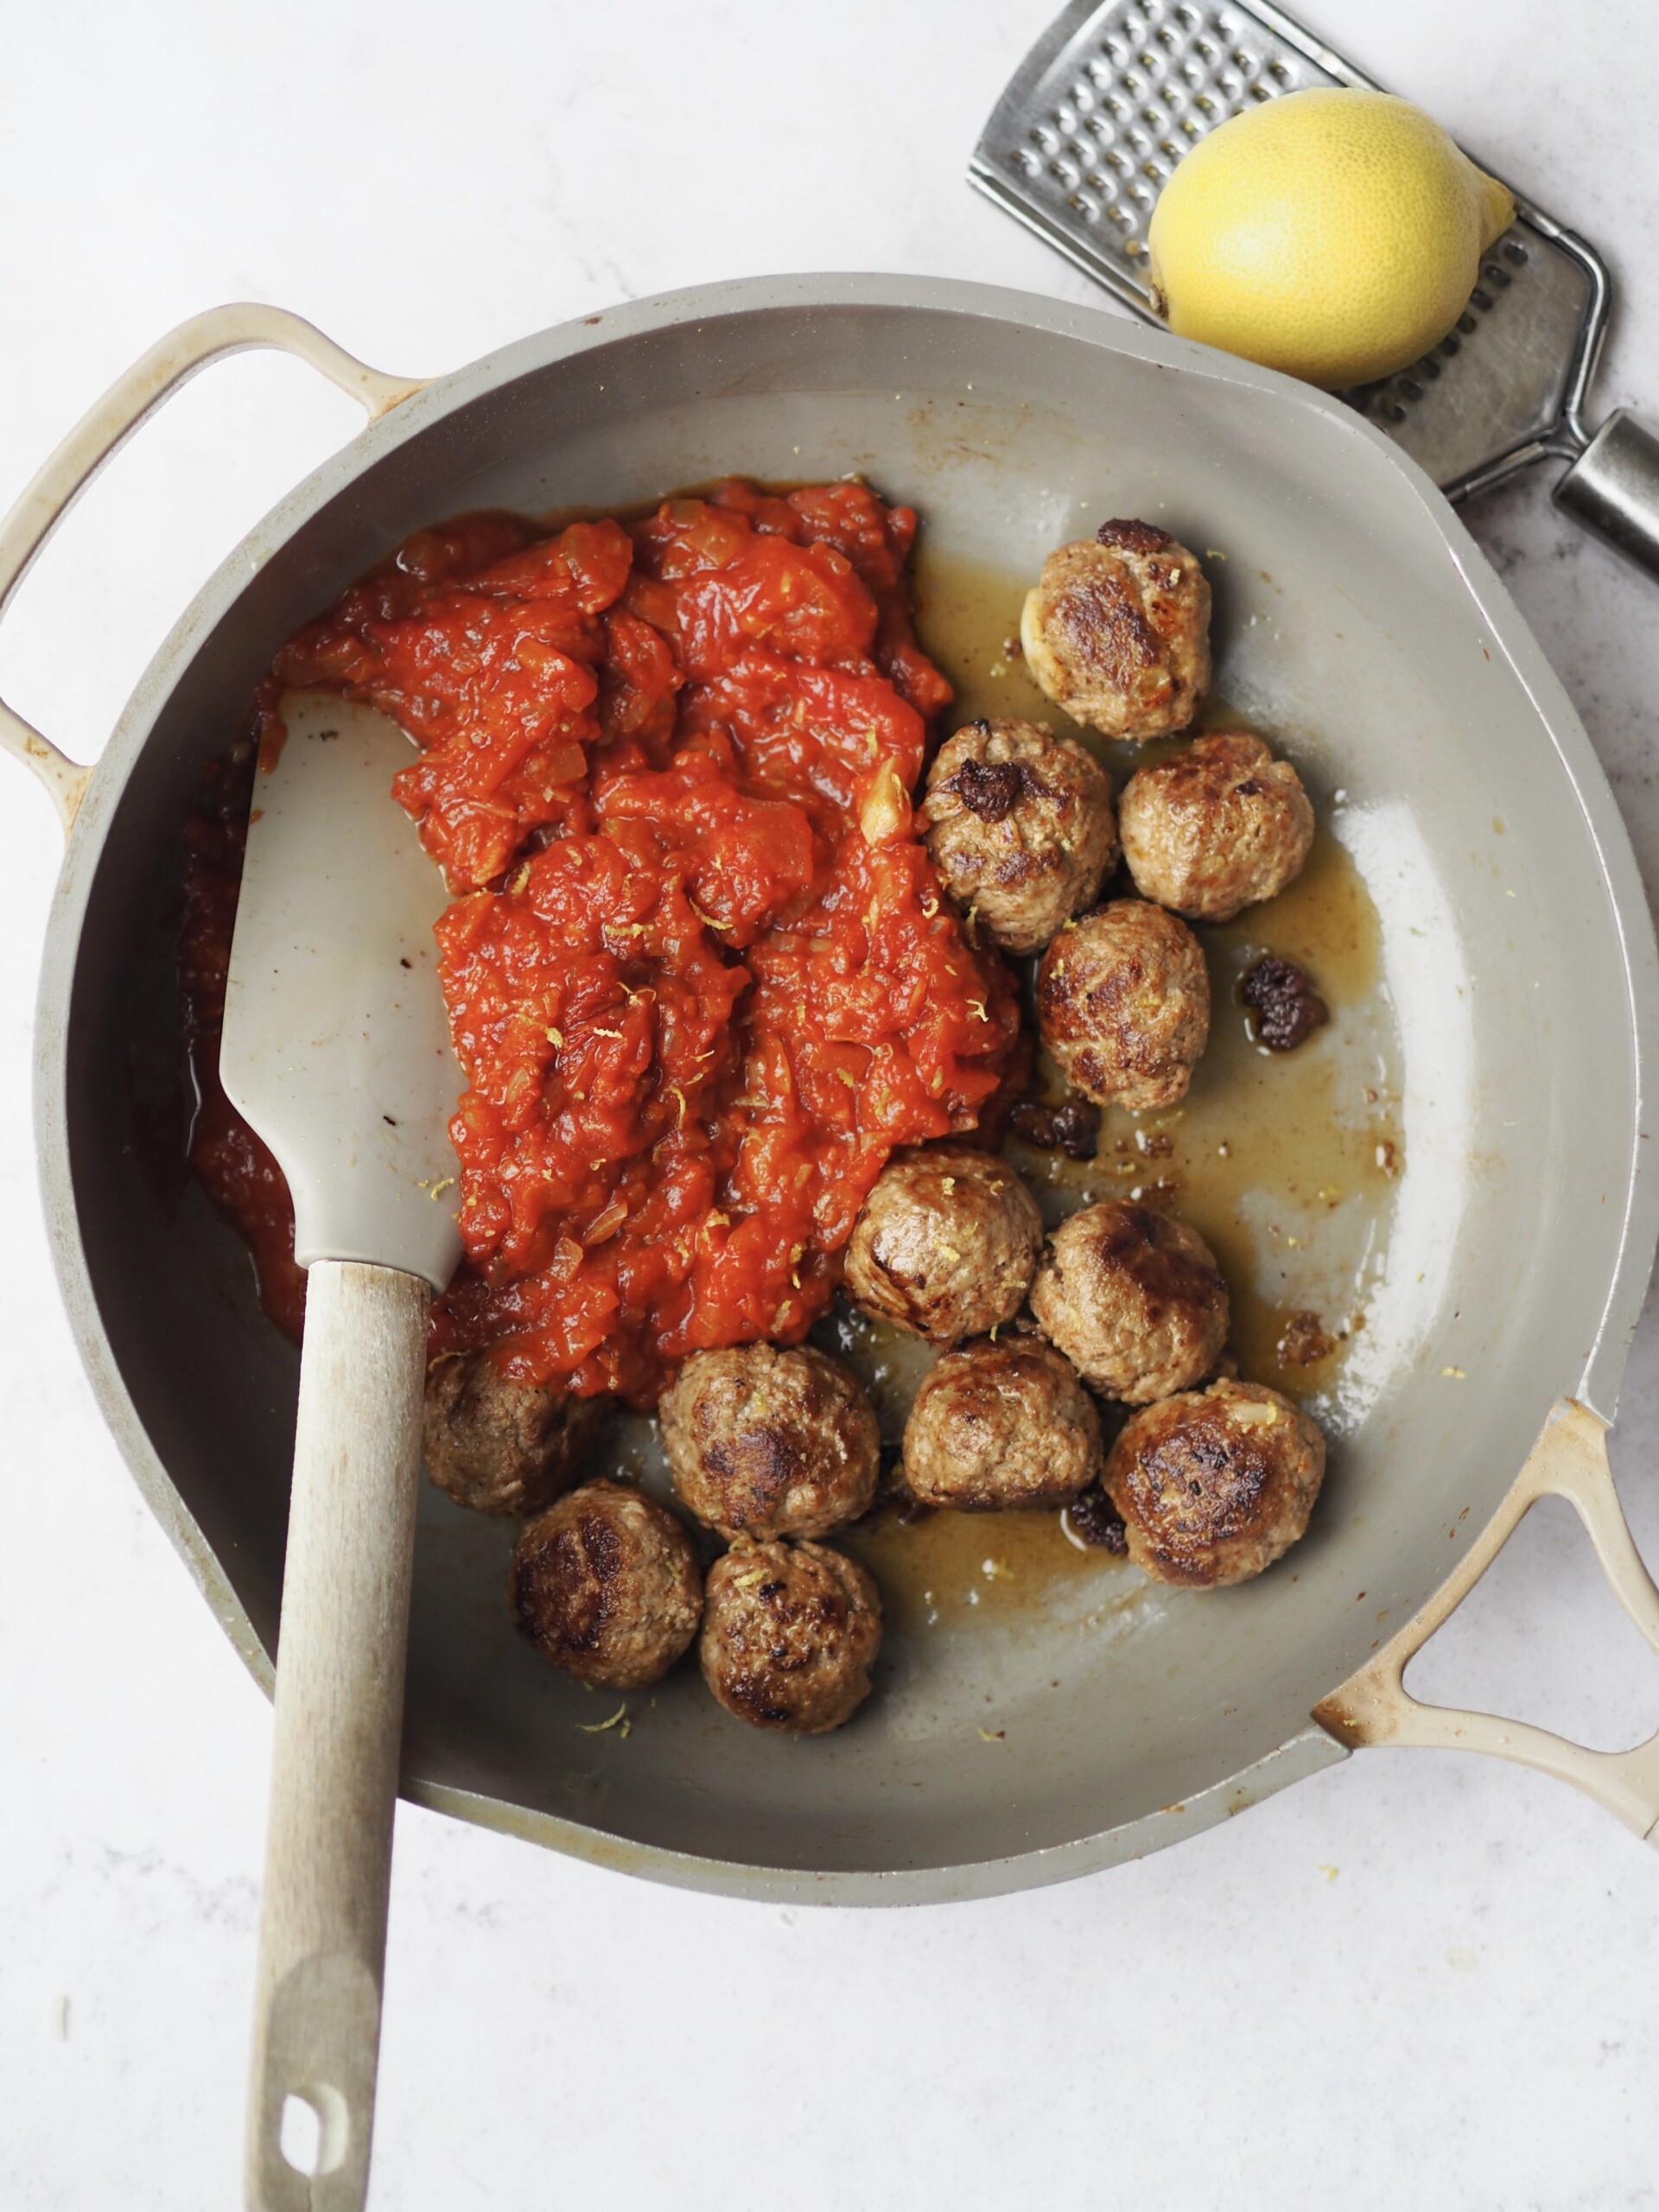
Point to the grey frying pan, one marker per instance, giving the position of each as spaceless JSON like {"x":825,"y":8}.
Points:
{"x":1517,"y":974}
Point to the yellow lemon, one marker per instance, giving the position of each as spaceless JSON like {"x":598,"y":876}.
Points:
{"x":1332,"y":234}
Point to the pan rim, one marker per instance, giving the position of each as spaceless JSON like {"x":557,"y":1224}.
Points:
{"x":1309,"y":1748}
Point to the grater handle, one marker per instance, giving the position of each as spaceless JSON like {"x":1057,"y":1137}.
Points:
{"x":1612,"y":488}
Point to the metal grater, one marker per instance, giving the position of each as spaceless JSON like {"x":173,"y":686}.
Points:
{"x":1110,"y":97}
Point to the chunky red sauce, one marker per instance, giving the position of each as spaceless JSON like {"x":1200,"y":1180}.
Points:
{"x":700,"y":974}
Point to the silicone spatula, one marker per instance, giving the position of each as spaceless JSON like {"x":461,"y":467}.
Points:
{"x":335,"y":1049}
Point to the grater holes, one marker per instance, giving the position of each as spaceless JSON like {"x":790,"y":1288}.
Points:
{"x":1466,"y":324}
{"x":1086,"y":206}
{"x":1193,"y":127}
{"x":1515,"y":251}
{"x":1450,"y":343}
{"x":1259,"y":92}
{"x":1189,"y":18}
{"x":1495,"y":273}
{"x":1244,"y":62}
{"x":1410,"y":386}
{"x":1483,"y":300}
{"x":1282,"y":70}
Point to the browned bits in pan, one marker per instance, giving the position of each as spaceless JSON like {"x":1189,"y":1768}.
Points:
{"x":1093,"y":1520}
{"x":1286,"y":1007}
{"x":605,"y":1585}
{"x":1072,"y":1127}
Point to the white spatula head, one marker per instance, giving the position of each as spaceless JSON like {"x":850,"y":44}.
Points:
{"x":336,"y":1048}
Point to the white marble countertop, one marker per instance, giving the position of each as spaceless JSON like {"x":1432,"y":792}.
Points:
{"x":1416,"y":1979}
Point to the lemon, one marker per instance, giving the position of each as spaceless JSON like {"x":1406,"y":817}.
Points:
{"x":1334,"y":234}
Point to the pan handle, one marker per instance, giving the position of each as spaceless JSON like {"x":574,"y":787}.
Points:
{"x":107,"y":426}
{"x":1372,"y":1707}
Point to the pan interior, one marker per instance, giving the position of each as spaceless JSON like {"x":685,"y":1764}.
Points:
{"x":1347,"y":626}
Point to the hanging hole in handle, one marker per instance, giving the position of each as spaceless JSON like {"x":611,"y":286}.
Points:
{"x":315,"y":2129}
{"x":1542,"y":1640}
{"x":301,"y":2134}
{"x":175,"y":502}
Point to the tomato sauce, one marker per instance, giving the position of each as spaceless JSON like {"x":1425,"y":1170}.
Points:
{"x":700,"y":974}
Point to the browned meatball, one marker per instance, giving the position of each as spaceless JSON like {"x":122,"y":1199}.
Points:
{"x":1020,"y":827}
{"x":1004,"y":1424}
{"x":790,"y":1635}
{"x":1215,"y":1484}
{"x":1134,"y":1299}
{"x":946,"y":1243}
{"x":605,"y":1585}
{"x":501,"y":1447}
{"x":1215,"y":827}
{"x":1123,"y":1004}
{"x":1117,"y":631}
{"x":769,"y":1443}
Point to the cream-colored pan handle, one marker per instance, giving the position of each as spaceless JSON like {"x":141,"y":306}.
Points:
{"x":107,"y":426}
{"x":1569,"y":1460}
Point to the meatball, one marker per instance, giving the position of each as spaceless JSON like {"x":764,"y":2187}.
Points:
{"x":1216,"y":826}
{"x":1117,"y":631}
{"x":1133,"y":1299}
{"x":1000,"y":1424}
{"x":790,"y":1635}
{"x":767,"y":1443}
{"x":946,"y":1243}
{"x":605,"y":1585}
{"x":1020,"y":827}
{"x":501,"y":1447}
{"x":1123,"y":1004}
{"x":1215,"y":1484}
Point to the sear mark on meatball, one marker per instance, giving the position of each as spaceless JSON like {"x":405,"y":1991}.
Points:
{"x":1219,"y":826}
{"x":991,"y":789}
{"x":946,"y":1243}
{"x":1134,"y":1299}
{"x":1093,"y":1520}
{"x":1072,"y":1127}
{"x":1133,"y":536}
{"x":1214,"y":1485}
{"x":605,"y":1585}
{"x":1117,"y":631}
{"x":1286,"y":1007}
{"x":501,"y":1447}
{"x":768,"y":1442}
{"x":1021,"y":827}
{"x":1123,"y":1004}
{"x":1002,"y":1425}
{"x":790,"y":1633}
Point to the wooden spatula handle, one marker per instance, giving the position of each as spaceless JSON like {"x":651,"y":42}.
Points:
{"x":339,"y":1703}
